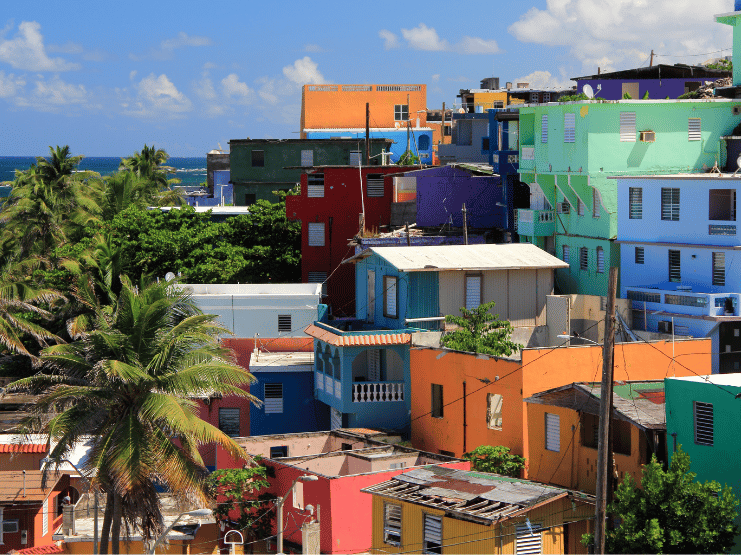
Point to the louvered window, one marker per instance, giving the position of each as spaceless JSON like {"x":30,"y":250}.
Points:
{"x":473,"y":292}
{"x":694,"y":129}
{"x":433,"y":534}
{"x":529,"y":539}
{"x":390,"y":309}
{"x":635,"y":196}
{"x":703,"y":423}
{"x":670,"y":204}
{"x":284,"y":322}
{"x":627,"y":127}
{"x":595,"y":203}
{"x":45,"y":517}
{"x":392,"y":524}
{"x":675,"y":266}
{"x":317,"y":277}
{"x":544,"y":128}
{"x":316,"y":234}
{"x":583,"y":258}
{"x":567,"y":254}
{"x":307,"y":158}
{"x":579,"y":207}
{"x":374,"y":365}
{"x":315,"y":185}
{"x":375,"y":185}
{"x":600,"y":260}
{"x":273,"y":398}
{"x":229,"y":421}
{"x":569,"y":128}
{"x":552,"y":432}
{"x":639,"y":255}
{"x":719,"y":268}
{"x":494,"y":403}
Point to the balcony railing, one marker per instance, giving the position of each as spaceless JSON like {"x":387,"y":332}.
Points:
{"x":684,"y":302}
{"x":535,"y":223}
{"x":377,"y":392}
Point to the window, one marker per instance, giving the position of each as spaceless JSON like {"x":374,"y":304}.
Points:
{"x":278,"y":451}
{"x":544,"y":128}
{"x":722,"y":204}
{"x":640,"y":256}
{"x":595,"y":203}
{"x":600,"y":260}
{"x":635,"y":202}
{"x":552,"y":432}
{"x":401,"y":112}
{"x":579,"y":207}
{"x":258,"y":158}
{"x":307,"y":158}
{"x":621,"y":436}
{"x":703,"y":423}
{"x":528,"y":539}
{"x":433,"y":534}
{"x":494,"y":411}
{"x":437,"y":401}
{"x":583,"y":258}
{"x":473,"y":291}
{"x":389,"y":297}
{"x":250,"y":199}
{"x":670,"y":204}
{"x":694,"y":129}
{"x":9,"y":527}
{"x":315,"y":185}
{"x":546,"y":97}
{"x":317,"y":277}
{"x":229,"y":421}
{"x":273,"y":398}
{"x":447,"y":130}
{"x":627,"y":127}
{"x":719,"y":268}
{"x":675,"y":266}
{"x":374,"y":184}
{"x":566,"y":254}
{"x":45,"y":517}
{"x":569,"y":128}
{"x":589,"y":424}
{"x":284,"y":322}
{"x":485,"y":144}
{"x":423,"y":143}
{"x":533,"y":98}
{"x":316,"y":234}
{"x":355,"y":157}
{"x":392,"y":524}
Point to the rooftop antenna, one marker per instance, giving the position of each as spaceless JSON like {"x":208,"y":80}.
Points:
{"x":588,"y":90}
{"x":220,"y":149}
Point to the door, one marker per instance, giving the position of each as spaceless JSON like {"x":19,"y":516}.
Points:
{"x":371,"y":308}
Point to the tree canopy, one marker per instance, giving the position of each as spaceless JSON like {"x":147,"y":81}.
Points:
{"x":479,"y":331}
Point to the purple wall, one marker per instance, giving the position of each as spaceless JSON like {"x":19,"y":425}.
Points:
{"x":612,"y":89}
{"x":442,"y":191}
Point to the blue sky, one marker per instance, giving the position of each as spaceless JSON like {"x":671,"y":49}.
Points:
{"x":107,"y":77}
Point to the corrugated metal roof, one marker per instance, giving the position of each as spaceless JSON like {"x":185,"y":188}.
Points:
{"x":435,"y":258}
{"x":379,"y":338}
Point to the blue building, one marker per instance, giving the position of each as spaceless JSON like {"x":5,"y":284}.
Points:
{"x":679,"y":254}
{"x":420,"y":139}
{"x":469,"y":140}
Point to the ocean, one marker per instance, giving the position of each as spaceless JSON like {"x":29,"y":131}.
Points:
{"x":191,"y":171}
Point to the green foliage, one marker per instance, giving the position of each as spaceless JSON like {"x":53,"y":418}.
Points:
{"x":480,"y":332}
{"x":722,"y":64}
{"x":573,"y":97}
{"x":645,"y":96}
{"x":408,"y":159}
{"x":671,"y":512}
{"x":626,"y":96}
{"x":498,"y":460}
{"x":241,"y":499}
{"x":689,"y":95}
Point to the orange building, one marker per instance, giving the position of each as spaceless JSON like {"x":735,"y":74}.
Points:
{"x":463,"y":400}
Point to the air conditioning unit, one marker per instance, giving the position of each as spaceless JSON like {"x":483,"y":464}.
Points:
{"x":736,"y":110}
{"x":665,"y":326}
{"x":648,"y":137}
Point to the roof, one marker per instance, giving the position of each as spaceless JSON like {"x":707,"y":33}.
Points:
{"x":438,"y":258}
{"x":15,"y":487}
{"x":23,"y":447}
{"x":639,"y":402}
{"x":282,"y":362}
{"x":41,"y":549}
{"x":319,"y":141}
{"x":484,"y":498}
{"x":380,"y":337}
{"x":733,"y":380}
{"x":361,"y":129}
{"x":660,"y":71}
{"x":262,"y":290}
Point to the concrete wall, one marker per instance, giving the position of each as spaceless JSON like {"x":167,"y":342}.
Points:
{"x":612,"y":89}
{"x":418,"y":138}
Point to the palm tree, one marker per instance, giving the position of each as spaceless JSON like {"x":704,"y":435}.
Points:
{"x":128,"y":381}
{"x":125,"y":188}
{"x":149,"y":164}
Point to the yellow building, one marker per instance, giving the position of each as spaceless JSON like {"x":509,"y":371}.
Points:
{"x":440,"y":510}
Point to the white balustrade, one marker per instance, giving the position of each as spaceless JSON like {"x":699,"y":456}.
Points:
{"x":377,"y":392}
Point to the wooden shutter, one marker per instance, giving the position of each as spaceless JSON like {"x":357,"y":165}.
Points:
{"x":527,"y":542}
{"x":703,"y":423}
{"x":473,"y":292}
{"x":552,"y":432}
{"x":433,"y":534}
{"x":627,"y":127}
{"x":273,"y":398}
{"x":316,"y":234}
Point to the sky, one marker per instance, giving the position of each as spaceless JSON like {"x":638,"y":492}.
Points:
{"x":107,"y":78}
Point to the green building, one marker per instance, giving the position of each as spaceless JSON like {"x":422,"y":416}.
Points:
{"x":569,"y":152}
{"x":260,"y":166}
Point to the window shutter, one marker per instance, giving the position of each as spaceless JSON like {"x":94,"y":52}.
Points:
{"x":640,"y":255}
{"x":703,"y":423}
{"x":229,"y":421}
{"x":583,"y":258}
{"x":284,"y":322}
{"x":375,"y":185}
{"x":316,"y":234}
{"x":544,"y":128}
{"x":527,"y":542}
{"x":627,"y":127}
{"x":433,"y":534}
{"x":600,"y":260}
{"x":567,"y":254}
{"x":552,"y":432}
{"x":315,"y":185}
{"x":579,"y":207}
{"x":635,"y":201}
{"x":670,"y":204}
{"x":473,"y":292}
{"x":273,"y":398}
{"x":374,"y":365}
{"x":694,"y":129}
{"x":569,"y":128}
{"x":354,"y":157}
{"x":719,"y":268}
{"x":392,"y":524}
{"x":307,"y":158}
{"x":675,"y":266}
{"x":389,"y":292}
{"x":45,"y":517}
{"x":595,"y":203}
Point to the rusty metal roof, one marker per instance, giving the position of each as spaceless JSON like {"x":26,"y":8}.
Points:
{"x":371,"y":339}
{"x":15,"y":487}
{"x":484,"y":498}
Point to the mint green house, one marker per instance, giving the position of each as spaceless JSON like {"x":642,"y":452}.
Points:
{"x":569,"y":151}
{"x":703,"y":415}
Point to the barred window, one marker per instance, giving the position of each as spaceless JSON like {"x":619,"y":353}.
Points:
{"x":583,"y":258}
{"x":635,"y":201}
{"x":640,"y":255}
{"x":719,"y":268}
{"x":675,"y":266}
{"x":670,"y":204}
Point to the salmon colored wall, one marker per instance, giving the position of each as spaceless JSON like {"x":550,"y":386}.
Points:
{"x":21,"y":461}
{"x":206,"y":541}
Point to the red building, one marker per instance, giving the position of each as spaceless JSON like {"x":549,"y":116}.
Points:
{"x":331,"y":207}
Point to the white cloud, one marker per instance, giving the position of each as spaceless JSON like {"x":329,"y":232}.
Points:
{"x":54,"y":95}
{"x":220,"y":100}
{"x":209,"y":65}
{"x":475,"y":45}
{"x":545,"y":80}
{"x":10,"y":85}
{"x":436,"y":78}
{"x":68,"y":48}
{"x":168,"y":46}
{"x":423,"y":37}
{"x":313,"y":48}
{"x":232,"y":87}
{"x":132,"y":74}
{"x":304,"y":71}
{"x":621,"y":34}
{"x":26,"y":50}
{"x":390,"y":40}
{"x":157,"y":97}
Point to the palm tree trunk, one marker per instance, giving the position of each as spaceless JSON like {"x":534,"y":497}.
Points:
{"x":116,"y":524}
{"x":107,"y":517}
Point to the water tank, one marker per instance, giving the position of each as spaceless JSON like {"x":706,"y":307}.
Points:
{"x":493,"y":82}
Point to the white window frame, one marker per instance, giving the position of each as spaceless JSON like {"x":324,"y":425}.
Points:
{"x":704,"y":413}
{"x":494,"y":403}
{"x":552,"y":432}
{"x":474,"y":285}
{"x":528,"y":539}
{"x":694,"y":129}
{"x":569,"y":127}
{"x":399,"y":111}
{"x":627,"y":127}
{"x":391,"y":296}
{"x":392,"y":523}
{"x":315,"y":228}
{"x":273,"y":397}
{"x":719,"y":268}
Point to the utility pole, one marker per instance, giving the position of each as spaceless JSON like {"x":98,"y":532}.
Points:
{"x":465,"y":225}
{"x":409,"y":240}
{"x":442,"y":126}
{"x":367,"y":133}
{"x":652,"y":59}
{"x":604,"y":457}
{"x":409,"y":148}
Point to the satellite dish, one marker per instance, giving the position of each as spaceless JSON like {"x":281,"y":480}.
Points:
{"x":169,"y":276}
{"x":588,"y":90}
{"x":738,"y":161}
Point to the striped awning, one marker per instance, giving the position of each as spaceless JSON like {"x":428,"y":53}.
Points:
{"x":370,"y":340}
{"x":23,"y":448}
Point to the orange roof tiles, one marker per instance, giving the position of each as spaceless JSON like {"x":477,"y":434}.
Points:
{"x":23,"y":448}
{"x":358,"y":340}
{"x":42,"y":549}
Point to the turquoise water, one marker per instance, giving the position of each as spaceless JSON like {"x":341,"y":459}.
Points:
{"x":192,"y":171}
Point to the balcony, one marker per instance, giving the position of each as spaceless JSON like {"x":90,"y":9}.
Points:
{"x":377,"y":392}
{"x":535,"y":223}
{"x":328,"y":384}
{"x":527,"y":157}
{"x":683,"y":300}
